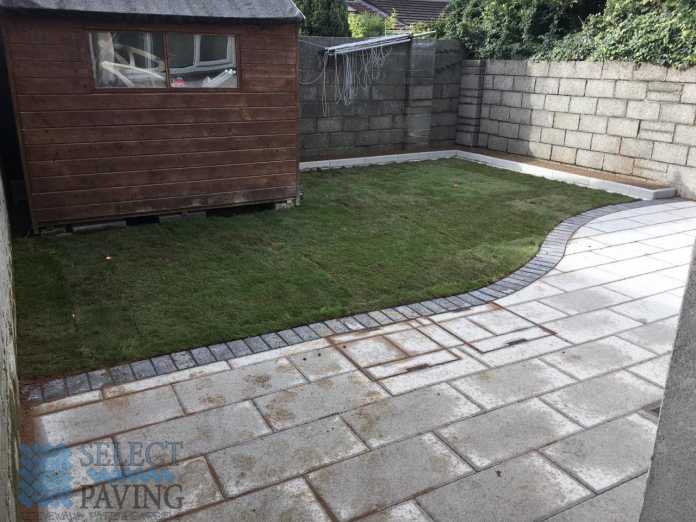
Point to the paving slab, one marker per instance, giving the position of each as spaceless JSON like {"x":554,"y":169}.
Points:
{"x":305,"y":403}
{"x":291,"y":501}
{"x":193,"y":435}
{"x":237,"y":385}
{"x":583,"y":260}
{"x":500,"y":321}
{"x":413,"y":342}
{"x":96,"y":420}
{"x":465,"y":329}
{"x":524,"y":488}
{"x":82,"y":461}
{"x":368,"y":352}
{"x":386,"y":476}
{"x":410,"y":414}
{"x":406,"y":512}
{"x":440,"y":336}
{"x":644,"y":285}
{"x":658,"y":337}
{"x":621,"y":252}
{"x":506,"y":340}
{"x":651,"y":309}
{"x":585,"y":278}
{"x":283,"y":455}
{"x":194,"y":488}
{"x":490,"y":438}
{"x":421,"y":378}
{"x":427,"y":360}
{"x":494,"y":388}
{"x":585,"y":300}
{"x":537,"y":312}
{"x":533,"y":292}
{"x":597,"y":357}
{"x":525,"y":350}
{"x":592,"y":325}
{"x":620,"y":504}
{"x":637,"y":266}
{"x":322,"y":363}
{"x":602,"y":398}
{"x":608,"y":454}
{"x":655,"y":371}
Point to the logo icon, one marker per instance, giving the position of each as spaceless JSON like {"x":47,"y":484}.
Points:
{"x":44,"y":471}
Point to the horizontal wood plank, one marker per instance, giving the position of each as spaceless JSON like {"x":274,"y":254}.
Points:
{"x":153,"y":177}
{"x":38,"y":120}
{"x":141,"y":148}
{"x":156,"y":132}
{"x":159,"y":161}
{"x":144,"y":192}
{"x":160,"y":206}
{"x":122,"y":100}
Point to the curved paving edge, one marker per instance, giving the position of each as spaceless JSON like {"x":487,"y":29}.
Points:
{"x":549,"y":255}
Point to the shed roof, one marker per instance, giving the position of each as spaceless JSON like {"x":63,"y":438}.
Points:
{"x":274,"y":10}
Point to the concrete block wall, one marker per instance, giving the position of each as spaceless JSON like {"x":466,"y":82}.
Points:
{"x":410,"y":106}
{"x":446,"y":93}
{"x":9,"y":423}
{"x":617,"y":117}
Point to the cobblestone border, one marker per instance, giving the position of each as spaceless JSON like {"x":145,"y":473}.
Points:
{"x":548,"y":256}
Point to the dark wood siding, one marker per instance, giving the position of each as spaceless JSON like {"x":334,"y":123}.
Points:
{"x":93,"y":154}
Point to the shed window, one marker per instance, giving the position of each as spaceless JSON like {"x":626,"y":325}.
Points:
{"x":128,"y":59}
{"x":202,"y":61}
{"x":137,"y":60}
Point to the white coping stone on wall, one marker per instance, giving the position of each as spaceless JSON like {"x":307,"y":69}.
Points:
{"x":516,"y":166}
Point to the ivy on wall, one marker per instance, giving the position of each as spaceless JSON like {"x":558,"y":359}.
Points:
{"x":652,"y":31}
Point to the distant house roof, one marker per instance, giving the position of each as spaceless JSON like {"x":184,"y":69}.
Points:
{"x":273,"y":10}
{"x":408,"y":12}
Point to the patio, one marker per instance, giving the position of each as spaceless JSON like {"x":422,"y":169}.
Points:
{"x":537,"y":405}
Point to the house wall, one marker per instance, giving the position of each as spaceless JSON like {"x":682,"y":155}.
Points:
{"x":616,"y":117}
{"x":90,"y":154}
{"x":9,"y":426}
{"x":411,"y":105}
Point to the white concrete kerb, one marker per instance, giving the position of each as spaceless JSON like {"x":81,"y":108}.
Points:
{"x":515,"y":166}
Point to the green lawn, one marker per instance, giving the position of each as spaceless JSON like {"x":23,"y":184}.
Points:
{"x":363,"y":239}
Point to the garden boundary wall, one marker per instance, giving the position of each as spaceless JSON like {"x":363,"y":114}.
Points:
{"x":9,"y":427}
{"x":412,"y":105}
{"x":616,"y":117}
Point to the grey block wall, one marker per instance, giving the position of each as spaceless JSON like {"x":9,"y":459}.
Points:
{"x":617,"y":117}
{"x":410,"y":106}
{"x":446,"y":93}
{"x":9,"y":423}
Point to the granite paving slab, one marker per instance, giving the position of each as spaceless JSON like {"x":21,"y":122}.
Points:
{"x":386,"y":476}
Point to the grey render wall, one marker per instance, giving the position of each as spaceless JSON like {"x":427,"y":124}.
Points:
{"x":669,"y":495}
{"x":9,"y":424}
{"x":411,"y":105}
{"x":616,"y":117}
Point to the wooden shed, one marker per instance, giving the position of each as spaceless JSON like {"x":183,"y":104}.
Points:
{"x":130,"y":108}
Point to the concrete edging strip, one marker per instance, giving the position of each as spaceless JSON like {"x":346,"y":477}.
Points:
{"x":492,"y":161}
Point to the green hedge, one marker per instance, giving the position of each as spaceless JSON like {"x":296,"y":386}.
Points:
{"x":652,"y":31}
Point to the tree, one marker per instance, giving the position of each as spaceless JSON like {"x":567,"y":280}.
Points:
{"x":324,"y":17}
{"x":363,"y":25}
